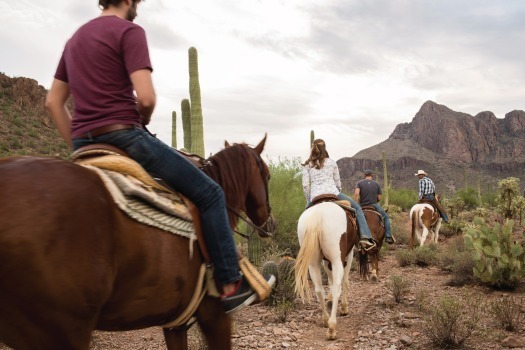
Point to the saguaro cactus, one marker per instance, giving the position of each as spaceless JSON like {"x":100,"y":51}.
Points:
{"x":174,"y":129}
{"x":197,"y":129}
{"x":254,"y":248}
{"x":186,"y":124}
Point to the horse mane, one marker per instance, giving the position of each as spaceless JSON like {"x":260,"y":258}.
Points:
{"x":226,"y":168}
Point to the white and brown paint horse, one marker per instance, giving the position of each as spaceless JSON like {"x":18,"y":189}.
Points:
{"x":425,"y":219}
{"x":326,"y":233}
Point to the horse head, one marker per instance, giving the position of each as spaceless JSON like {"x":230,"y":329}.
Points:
{"x":244,"y":177}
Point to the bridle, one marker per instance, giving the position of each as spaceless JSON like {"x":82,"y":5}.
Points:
{"x":260,"y":229}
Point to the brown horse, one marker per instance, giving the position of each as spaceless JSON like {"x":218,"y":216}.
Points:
{"x":71,"y":262}
{"x":377,"y":229}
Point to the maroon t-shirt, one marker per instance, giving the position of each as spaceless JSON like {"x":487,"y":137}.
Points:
{"x":96,"y":63}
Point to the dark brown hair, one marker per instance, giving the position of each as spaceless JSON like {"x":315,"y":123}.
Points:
{"x":104,"y":4}
{"x":318,"y":154}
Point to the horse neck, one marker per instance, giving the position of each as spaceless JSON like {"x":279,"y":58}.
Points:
{"x":229,"y":168}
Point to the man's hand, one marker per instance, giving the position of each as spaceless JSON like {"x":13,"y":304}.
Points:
{"x":146,"y":98}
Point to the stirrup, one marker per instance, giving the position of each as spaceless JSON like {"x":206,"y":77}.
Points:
{"x":367,"y":244}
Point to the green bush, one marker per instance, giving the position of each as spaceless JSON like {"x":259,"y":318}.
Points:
{"x":507,"y":312}
{"x":455,"y":259}
{"x":469,"y":197}
{"x":287,"y":201}
{"x":426,"y":255}
{"x":403,"y":198}
{"x":450,"y":322}
{"x":399,"y":287}
{"x":499,"y":260}
{"x":405,"y":257}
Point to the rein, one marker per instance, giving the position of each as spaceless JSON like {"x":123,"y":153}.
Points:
{"x":251,"y":224}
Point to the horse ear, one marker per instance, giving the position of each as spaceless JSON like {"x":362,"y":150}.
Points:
{"x":259,"y":148}
{"x":226,"y":144}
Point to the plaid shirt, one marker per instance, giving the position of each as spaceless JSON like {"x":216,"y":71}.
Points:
{"x":426,"y":186}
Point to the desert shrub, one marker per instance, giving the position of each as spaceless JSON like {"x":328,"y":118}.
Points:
{"x":282,"y":310}
{"x":469,"y":197}
{"x":398,"y":222}
{"x":498,"y":258}
{"x":454,"y":228}
{"x":507,"y":312}
{"x":449,"y":323}
{"x":392,"y":210}
{"x":287,"y":201}
{"x":403,"y":198}
{"x":399,"y":287}
{"x":421,"y":299}
{"x":455,"y":259}
{"x":426,"y":255}
{"x":405,"y":257}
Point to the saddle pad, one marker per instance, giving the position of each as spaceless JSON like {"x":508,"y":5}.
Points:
{"x":123,"y":165}
{"x":178,"y":221}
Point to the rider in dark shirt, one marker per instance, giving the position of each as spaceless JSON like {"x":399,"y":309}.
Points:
{"x":368,"y":192}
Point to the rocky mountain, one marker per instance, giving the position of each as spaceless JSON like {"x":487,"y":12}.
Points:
{"x":452,"y":147}
{"x":25,"y":128}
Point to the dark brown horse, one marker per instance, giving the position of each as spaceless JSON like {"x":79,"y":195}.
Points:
{"x":377,"y":229}
{"x":71,"y":262}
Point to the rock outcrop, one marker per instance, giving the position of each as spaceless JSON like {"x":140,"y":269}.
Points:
{"x":451,"y":146}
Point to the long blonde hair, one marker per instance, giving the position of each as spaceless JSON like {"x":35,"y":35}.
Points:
{"x":318,"y":154}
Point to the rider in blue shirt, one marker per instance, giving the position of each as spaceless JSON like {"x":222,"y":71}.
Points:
{"x":427,"y":193}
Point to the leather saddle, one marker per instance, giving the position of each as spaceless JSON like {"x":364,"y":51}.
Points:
{"x":327,"y":197}
{"x":91,"y":152}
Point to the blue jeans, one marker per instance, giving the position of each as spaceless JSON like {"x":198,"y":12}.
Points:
{"x":364,"y":231}
{"x":180,"y":174}
{"x":381,"y":211}
{"x":432,"y":198}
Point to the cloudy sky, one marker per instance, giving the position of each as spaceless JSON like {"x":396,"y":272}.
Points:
{"x":350,"y":70}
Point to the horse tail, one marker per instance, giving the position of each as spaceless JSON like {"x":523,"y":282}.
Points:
{"x":310,"y":247}
{"x":364,"y":267}
{"x":414,"y":225}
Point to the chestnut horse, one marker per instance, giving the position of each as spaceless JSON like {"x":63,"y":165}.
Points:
{"x":325,"y":232}
{"x":71,"y":262}
{"x":425,"y":219}
{"x":377,"y":229}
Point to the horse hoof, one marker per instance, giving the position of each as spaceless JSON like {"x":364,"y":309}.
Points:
{"x":344,"y":311}
{"x":374,"y":278}
{"x":331,"y":334}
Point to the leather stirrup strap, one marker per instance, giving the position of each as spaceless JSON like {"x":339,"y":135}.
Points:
{"x":198,"y":229}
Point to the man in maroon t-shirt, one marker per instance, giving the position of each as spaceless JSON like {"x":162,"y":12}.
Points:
{"x":103,"y":63}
